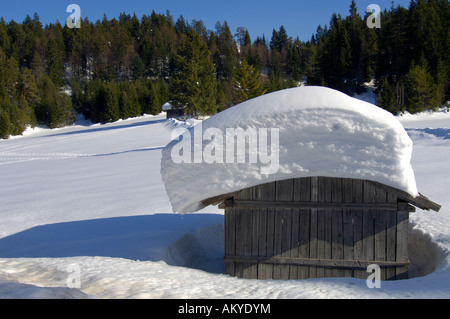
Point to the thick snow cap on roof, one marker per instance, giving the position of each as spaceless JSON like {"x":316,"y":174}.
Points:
{"x":299,"y":132}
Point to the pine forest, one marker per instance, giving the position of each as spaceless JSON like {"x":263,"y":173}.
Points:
{"x":128,"y":66}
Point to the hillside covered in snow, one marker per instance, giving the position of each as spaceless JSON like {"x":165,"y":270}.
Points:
{"x":84,"y":214}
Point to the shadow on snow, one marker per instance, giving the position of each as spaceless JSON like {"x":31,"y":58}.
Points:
{"x":442,"y":133}
{"x":178,"y":240}
{"x":113,"y":126}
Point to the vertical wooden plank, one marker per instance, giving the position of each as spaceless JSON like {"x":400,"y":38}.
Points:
{"x":255,"y":236}
{"x":262,"y":242}
{"x":260,"y":194}
{"x":278,"y":224}
{"x":380,"y":230}
{"x":402,"y":244}
{"x":321,"y":225}
{"x":239,"y":215}
{"x":337,"y":249}
{"x":241,"y":239}
{"x":249,"y":270}
{"x":348,"y":216}
{"x":304,"y":240}
{"x":270,"y":241}
{"x":328,"y":271}
{"x":277,"y":241}
{"x":254,"y":230}
{"x":286,"y":241}
{"x":302,"y":193}
{"x":320,"y":240}
{"x":230,"y":239}
{"x":313,"y":244}
{"x":295,"y":218}
{"x":270,"y":230}
{"x":324,"y":226}
{"x":391,"y":236}
{"x":284,"y":192}
{"x":358,"y":190}
{"x":368,"y":224}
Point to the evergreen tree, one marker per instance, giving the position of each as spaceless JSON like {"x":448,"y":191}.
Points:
{"x":394,"y":43}
{"x":224,"y":56}
{"x":313,"y":62}
{"x":163,"y":92}
{"x":181,"y":26}
{"x":5,"y":124}
{"x":274,"y":42}
{"x":138,"y":69}
{"x":276,"y":81}
{"x":28,"y":88}
{"x":125,"y":104}
{"x":369,"y":51}
{"x":421,"y":91}
{"x":128,"y":100}
{"x":11,"y":76}
{"x":296,"y":50}
{"x":89,"y":107}
{"x":108,"y":103}
{"x":279,"y":39}
{"x":5,"y":121}
{"x":32,"y":30}
{"x":5,"y":40}
{"x":442,"y":79}
{"x":55,"y":54}
{"x":194,"y":84}
{"x":37,"y":67}
{"x":55,"y":108}
{"x":345,"y":62}
{"x":126,"y":66}
{"x":247,"y":83}
{"x":149,"y":97}
{"x":354,"y":29}
{"x":254,"y":59}
{"x":77,"y":96}
{"x":17,"y":36}
{"x":20,"y":116}
{"x":386,"y":98}
{"x":282,"y":38}
{"x":330,"y":54}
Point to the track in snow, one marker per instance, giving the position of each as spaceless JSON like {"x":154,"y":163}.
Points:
{"x":12,"y":158}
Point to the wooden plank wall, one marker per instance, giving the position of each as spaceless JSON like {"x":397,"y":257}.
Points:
{"x":268,"y":242}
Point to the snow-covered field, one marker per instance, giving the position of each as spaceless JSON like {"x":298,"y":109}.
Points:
{"x":85,"y":207}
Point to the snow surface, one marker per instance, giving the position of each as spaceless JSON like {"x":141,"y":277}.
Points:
{"x":322,"y":132}
{"x":92,"y":196}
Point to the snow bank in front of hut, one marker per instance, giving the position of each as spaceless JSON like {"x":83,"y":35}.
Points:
{"x":309,"y":131}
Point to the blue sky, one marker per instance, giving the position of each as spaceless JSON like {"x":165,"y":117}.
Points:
{"x":300,"y":18}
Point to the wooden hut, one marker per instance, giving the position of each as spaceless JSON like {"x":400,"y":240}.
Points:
{"x":173,"y":112}
{"x":318,"y":227}
{"x":176,"y":113}
{"x":283,"y":224}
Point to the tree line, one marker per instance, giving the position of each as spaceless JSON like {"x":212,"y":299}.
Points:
{"x":125,"y":67}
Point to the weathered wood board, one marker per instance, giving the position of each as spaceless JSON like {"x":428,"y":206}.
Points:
{"x":316,"y":227}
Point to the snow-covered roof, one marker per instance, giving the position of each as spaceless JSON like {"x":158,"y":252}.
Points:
{"x":320,"y":132}
{"x":166,"y":106}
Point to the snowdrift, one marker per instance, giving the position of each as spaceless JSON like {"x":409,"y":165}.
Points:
{"x":299,"y":132}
